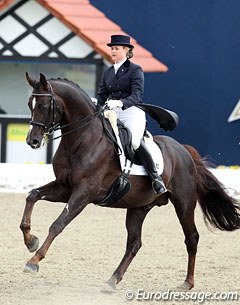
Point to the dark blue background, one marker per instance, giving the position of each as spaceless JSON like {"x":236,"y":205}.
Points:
{"x":200,"y":43}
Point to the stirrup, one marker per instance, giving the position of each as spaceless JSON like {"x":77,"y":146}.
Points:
{"x":158,"y":187}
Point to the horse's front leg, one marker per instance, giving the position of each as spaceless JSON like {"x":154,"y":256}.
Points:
{"x":71,"y":210}
{"x":51,"y":192}
{"x":134,"y":221}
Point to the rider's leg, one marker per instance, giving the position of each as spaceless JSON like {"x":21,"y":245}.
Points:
{"x":135,"y":119}
{"x":146,"y":159}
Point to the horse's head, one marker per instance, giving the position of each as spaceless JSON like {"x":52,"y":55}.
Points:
{"x":45,"y":111}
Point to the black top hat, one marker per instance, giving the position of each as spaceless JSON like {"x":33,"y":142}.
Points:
{"x":120,"y":40}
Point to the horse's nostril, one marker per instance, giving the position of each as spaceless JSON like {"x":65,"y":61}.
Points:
{"x":35,"y":143}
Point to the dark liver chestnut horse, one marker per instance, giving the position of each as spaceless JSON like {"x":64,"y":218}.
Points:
{"x":86,"y":164}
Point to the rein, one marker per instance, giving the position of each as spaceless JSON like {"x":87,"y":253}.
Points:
{"x":83,"y":123}
{"x":50,"y":126}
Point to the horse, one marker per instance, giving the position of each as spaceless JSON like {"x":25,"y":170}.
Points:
{"x":86,"y":164}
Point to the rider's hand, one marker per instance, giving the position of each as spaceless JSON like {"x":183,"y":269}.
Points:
{"x":114,"y":104}
{"x":94,"y":100}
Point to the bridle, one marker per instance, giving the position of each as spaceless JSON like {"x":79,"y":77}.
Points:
{"x":50,"y":125}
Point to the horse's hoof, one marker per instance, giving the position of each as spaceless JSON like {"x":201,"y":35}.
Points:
{"x":33,"y":245}
{"x":187,"y":286}
{"x":112,"y":282}
{"x":31,"y":268}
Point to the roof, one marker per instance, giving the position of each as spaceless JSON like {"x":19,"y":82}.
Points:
{"x":5,"y":3}
{"x":92,"y":26}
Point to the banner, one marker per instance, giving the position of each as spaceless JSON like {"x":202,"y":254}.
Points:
{"x":17,"y":149}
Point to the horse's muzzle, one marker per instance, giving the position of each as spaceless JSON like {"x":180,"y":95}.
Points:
{"x":34,"y":141}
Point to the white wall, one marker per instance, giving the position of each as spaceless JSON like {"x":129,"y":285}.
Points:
{"x":24,"y":177}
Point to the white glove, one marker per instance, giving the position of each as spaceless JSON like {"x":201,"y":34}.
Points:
{"x":114,"y":104}
{"x":94,"y":100}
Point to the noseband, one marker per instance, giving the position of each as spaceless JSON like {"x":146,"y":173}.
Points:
{"x":49,"y":126}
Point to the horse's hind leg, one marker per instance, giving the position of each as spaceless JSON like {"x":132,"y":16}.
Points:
{"x":134,"y":221}
{"x":52,"y":192}
{"x":185,"y":212}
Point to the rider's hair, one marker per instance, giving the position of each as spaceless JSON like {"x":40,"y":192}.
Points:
{"x":129,"y":53}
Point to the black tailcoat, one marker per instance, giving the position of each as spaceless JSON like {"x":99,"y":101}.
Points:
{"x":127,"y":85}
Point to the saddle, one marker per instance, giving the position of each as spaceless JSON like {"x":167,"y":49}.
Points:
{"x":125,"y":136}
{"x":112,"y":127}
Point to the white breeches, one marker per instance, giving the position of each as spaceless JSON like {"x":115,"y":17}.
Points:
{"x":135,"y":120}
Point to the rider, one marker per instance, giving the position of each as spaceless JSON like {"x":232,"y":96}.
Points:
{"x":121,"y":89}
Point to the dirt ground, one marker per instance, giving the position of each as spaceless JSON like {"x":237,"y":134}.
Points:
{"x":84,"y":256}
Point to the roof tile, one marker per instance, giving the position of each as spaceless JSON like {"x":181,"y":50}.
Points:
{"x":74,"y":9}
{"x":5,"y":3}
{"x":93,"y":23}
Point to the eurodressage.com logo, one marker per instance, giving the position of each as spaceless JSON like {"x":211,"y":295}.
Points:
{"x":194,"y":296}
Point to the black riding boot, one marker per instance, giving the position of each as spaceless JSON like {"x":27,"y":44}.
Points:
{"x":147,"y":161}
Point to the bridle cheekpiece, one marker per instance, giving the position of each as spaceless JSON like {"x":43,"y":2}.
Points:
{"x":50,"y":125}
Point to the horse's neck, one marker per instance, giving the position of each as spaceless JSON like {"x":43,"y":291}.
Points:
{"x":76,"y":105}
{"x":84,"y":135}
{"x":78,"y":120}
{"x":75,"y":113}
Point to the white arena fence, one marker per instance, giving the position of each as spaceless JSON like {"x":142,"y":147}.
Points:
{"x":21,"y":178}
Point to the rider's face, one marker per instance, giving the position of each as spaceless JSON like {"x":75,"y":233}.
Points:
{"x":118,"y":53}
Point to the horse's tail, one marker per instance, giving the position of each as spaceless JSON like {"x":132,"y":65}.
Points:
{"x":219,"y":209}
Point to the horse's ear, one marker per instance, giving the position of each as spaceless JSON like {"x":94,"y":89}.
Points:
{"x":30,"y":80}
{"x":43,"y":81}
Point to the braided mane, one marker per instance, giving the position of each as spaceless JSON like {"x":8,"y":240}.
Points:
{"x":65,"y":80}
{"x":69,"y":82}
